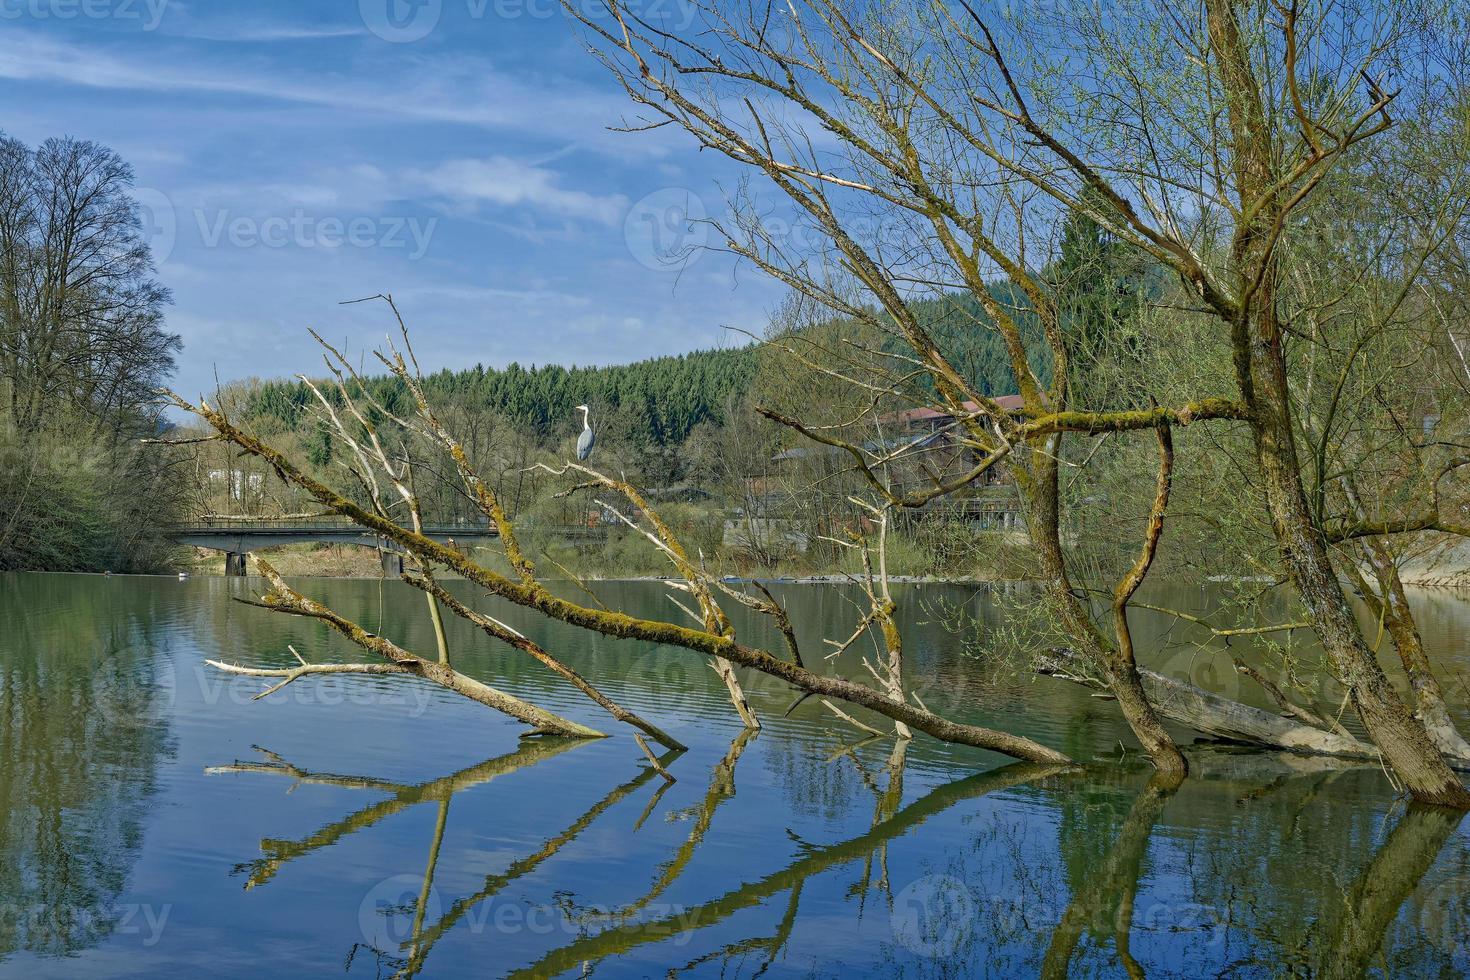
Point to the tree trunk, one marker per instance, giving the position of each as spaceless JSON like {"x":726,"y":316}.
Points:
{"x":1355,"y":939}
{"x":1220,"y":717}
{"x":1393,"y":604}
{"x":1405,"y":742}
{"x":1039,"y":484}
{"x":1103,"y":902}
{"x":1260,"y":366}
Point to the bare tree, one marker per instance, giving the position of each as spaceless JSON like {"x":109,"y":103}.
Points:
{"x":1198,"y":141}
{"x":81,"y":316}
{"x":394,"y":513}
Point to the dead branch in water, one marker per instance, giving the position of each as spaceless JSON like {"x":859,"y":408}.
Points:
{"x":377,"y":469}
{"x":283,"y":598}
{"x":505,"y":634}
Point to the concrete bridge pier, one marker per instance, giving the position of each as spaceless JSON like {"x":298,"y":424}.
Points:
{"x":235,"y":564}
{"x":392,"y":562}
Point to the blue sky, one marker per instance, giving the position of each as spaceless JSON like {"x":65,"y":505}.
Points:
{"x":291,"y":155}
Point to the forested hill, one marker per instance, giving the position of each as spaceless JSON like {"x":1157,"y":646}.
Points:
{"x":656,"y":402}
{"x":961,"y":329}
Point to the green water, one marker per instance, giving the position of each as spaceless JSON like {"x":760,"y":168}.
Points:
{"x":156,"y":821}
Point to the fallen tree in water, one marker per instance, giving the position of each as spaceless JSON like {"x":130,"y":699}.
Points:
{"x":1296,"y":729}
{"x":1268,"y":213}
{"x":379,"y":469}
{"x":1217,"y":716}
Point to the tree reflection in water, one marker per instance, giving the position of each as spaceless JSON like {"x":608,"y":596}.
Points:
{"x":1103,"y":868}
{"x":84,"y":725}
{"x":627,"y":927}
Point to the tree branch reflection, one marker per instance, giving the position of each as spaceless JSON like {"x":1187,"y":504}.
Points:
{"x":280,"y":852}
{"x":813,"y":861}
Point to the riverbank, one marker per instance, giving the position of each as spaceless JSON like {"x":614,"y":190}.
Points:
{"x":299,"y":561}
{"x":347,"y":562}
{"x":1447,"y":567}
{"x":1007,"y":564}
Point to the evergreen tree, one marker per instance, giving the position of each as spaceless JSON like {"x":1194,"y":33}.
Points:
{"x":1100,"y":283}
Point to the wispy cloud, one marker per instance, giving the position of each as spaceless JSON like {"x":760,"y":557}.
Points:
{"x":268,"y":34}
{"x":461,"y":90}
{"x":493,"y":128}
{"x":486,"y":187}
{"x":502,"y":181}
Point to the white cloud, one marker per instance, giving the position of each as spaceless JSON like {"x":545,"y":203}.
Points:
{"x":460,"y":90}
{"x":477,"y":297}
{"x":458,"y":188}
{"x":250,"y":35}
{"x":502,"y":181}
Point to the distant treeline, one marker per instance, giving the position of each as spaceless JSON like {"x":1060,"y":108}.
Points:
{"x":659,"y":401}
{"x":655,"y":402}
{"x":962,"y":330}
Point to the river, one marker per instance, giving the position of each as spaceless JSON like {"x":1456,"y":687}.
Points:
{"x":156,"y":821}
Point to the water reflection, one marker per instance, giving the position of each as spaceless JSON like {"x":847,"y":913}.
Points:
{"x":83,"y":729}
{"x":1103,"y":892}
{"x":390,"y":836}
{"x":1352,"y":932}
{"x":280,"y":852}
{"x":422,"y":940}
{"x":402,"y":935}
{"x":407,"y":932}
{"x":815,"y":860}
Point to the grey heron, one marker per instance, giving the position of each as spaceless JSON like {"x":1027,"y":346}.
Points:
{"x":586,"y":440}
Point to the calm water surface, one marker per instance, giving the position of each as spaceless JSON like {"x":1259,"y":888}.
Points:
{"x":155,"y":821}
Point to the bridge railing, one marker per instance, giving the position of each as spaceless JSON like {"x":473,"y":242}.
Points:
{"x":334,"y":528}
{"x":315,"y":526}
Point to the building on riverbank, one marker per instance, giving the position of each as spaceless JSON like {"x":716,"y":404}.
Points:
{"x":802,"y":490}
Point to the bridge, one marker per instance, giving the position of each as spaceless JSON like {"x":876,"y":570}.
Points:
{"x":237,"y":538}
